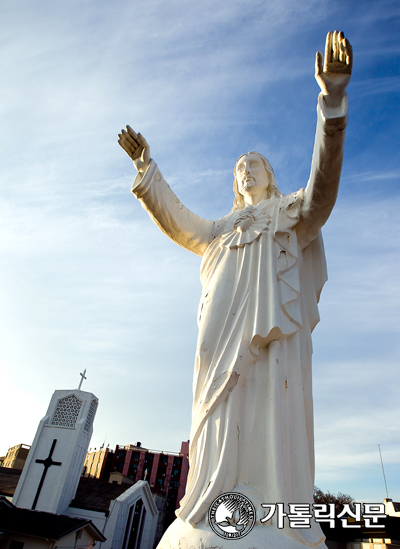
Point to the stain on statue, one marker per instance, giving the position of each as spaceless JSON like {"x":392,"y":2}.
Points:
{"x":262,"y":271}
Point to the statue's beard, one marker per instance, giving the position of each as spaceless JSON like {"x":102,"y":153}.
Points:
{"x":249,"y":184}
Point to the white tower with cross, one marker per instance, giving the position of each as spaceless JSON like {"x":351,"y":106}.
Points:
{"x":52,"y":471}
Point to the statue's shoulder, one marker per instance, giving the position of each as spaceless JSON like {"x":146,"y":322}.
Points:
{"x":292,"y":200}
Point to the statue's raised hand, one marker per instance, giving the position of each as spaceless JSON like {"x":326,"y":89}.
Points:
{"x":334,"y":74}
{"x":136,"y":147}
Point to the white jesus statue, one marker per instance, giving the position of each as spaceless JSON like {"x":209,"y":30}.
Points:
{"x":262,"y":271}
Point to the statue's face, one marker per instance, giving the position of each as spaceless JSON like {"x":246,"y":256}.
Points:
{"x":251,"y":174}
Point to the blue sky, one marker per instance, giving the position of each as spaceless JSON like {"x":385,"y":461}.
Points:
{"x":87,"y":281}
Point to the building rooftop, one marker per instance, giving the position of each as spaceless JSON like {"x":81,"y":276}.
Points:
{"x":92,"y":494}
{"x":96,"y":495}
{"x":396,"y":506}
{"x":8,"y":480}
{"x":14,"y":520}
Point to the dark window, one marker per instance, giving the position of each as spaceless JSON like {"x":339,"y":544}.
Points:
{"x":134,"y":526}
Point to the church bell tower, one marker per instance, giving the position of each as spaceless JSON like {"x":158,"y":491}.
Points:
{"x":54,"y":465}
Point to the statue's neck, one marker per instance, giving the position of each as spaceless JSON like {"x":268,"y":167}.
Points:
{"x":255,"y":197}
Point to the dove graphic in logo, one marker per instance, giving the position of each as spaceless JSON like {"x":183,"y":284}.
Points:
{"x":231,"y":515}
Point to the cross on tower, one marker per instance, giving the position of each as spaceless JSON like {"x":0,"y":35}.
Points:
{"x":48,"y":462}
{"x":83,"y":377}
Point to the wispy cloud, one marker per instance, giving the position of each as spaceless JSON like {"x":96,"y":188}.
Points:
{"x":375,"y":176}
{"x":379,"y":85}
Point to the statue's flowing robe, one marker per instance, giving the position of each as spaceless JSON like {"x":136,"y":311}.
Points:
{"x":252,"y":419}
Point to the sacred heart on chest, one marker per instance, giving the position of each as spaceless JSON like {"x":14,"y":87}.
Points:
{"x":241,"y":225}
{"x":248,"y":227}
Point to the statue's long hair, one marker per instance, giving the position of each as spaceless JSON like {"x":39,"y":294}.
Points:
{"x":238,"y":203}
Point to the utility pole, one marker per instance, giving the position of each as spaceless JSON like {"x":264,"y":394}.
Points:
{"x":383,"y":471}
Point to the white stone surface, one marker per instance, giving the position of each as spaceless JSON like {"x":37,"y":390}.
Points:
{"x":183,"y":536}
{"x":262,"y":272}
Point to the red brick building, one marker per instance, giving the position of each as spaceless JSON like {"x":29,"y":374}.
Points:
{"x":165,"y":472}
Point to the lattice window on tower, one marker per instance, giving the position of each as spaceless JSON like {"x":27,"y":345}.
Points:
{"x":90,"y":417}
{"x":67,"y":411}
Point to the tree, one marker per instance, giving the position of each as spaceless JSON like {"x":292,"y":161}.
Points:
{"x":338,"y":499}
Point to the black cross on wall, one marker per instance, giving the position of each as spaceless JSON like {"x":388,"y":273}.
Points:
{"x":48,"y":462}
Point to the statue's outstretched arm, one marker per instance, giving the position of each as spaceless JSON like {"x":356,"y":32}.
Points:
{"x":333,"y":77}
{"x":181,"y":225}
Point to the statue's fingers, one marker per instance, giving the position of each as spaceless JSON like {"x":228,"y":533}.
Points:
{"x":136,"y":153}
{"x":124,"y":145}
{"x":318,"y":63}
{"x":128,"y":144}
{"x":342,"y":57}
{"x":335,"y":46}
{"x":328,"y":50}
{"x":131,"y":139}
{"x":338,"y":44}
{"x":133,"y":152}
{"x":131,"y":132}
{"x":342,"y":48}
{"x":349,"y":53}
{"x":128,"y":136}
{"x":123,"y":140}
{"x":142,"y":140}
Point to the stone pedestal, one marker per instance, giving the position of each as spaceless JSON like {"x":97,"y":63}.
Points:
{"x":181,"y":535}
